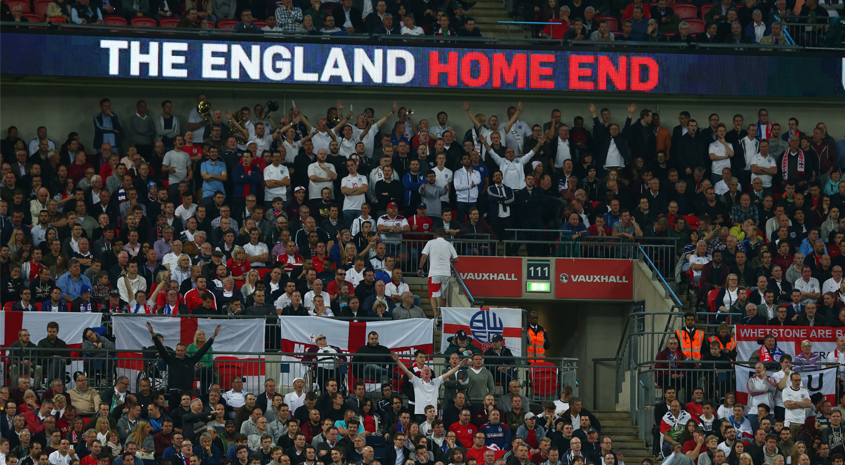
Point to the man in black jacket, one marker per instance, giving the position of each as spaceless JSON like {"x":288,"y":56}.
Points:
{"x":612,"y":151}
{"x":502,"y":358}
{"x":182,"y":369}
{"x":392,"y":452}
{"x":692,"y":151}
{"x":529,"y":205}
{"x":348,"y":18}
{"x":642,"y":140}
{"x":375,"y":359}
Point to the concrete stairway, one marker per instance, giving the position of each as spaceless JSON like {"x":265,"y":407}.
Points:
{"x":487,"y":14}
{"x":626,"y":438}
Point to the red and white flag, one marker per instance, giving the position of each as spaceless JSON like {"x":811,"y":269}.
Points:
{"x":482,"y":324}
{"x":299,"y":335}
{"x":238,"y":335}
{"x":71,"y":326}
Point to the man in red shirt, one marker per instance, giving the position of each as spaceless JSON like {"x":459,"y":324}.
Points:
{"x":694,"y":407}
{"x":35,"y":419}
{"x":464,"y":430}
{"x":193,"y":298}
{"x":93,"y":457}
{"x":420,"y":223}
{"x":478,"y":448}
{"x":696,"y":445}
{"x":339,"y":280}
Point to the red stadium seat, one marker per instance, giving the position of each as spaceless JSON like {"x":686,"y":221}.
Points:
{"x":211,"y":25}
{"x":32,"y":17}
{"x":239,"y":284}
{"x":170,"y":22}
{"x":41,"y":9}
{"x":24,"y":4}
{"x":226,"y":24}
{"x":669,"y":34}
{"x":263,"y":272}
{"x":711,"y":299}
{"x":58,"y":21}
{"x":686,"y":10}
{"x":705,"y":7}
{"x":544,"y":378}
{"x":141,"y":21}
{"x":612,"y":23}
{"x":260,"y":24}
{"x":114,"y":20}
{"x":696,"y":26}
{"x":692,"y":220}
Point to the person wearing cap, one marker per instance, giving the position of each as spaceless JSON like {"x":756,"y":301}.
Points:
{"x":502,"y":358}
{"x":83,"y":303}
{"x":696,"y":446}
{"x":461,"y":344}
{"x":530,"y":432}
{"x":390,"y":228}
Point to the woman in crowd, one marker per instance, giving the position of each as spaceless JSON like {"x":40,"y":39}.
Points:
{"x":807,"y":360}
{"x":205,"y":368}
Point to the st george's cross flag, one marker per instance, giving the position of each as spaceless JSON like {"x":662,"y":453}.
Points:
{"x":238,"y":335}
{"x":71,"y":326}
{"x":300,"y":333}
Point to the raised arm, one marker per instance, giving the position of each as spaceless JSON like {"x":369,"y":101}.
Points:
{"x":515,"y":117}
{"x":474,"y":121}
{"x":402,"y":366}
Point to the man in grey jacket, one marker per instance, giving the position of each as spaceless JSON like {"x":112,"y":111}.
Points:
{"x":143,"y":130}
{"x":407,"y":310}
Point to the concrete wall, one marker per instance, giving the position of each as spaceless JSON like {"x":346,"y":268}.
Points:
{"x":64,"y":106}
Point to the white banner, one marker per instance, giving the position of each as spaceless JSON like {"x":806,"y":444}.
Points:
{"x":71,"y":326}
{"x":299,"y":334}
{"x":823,"y":381}
{"x":788,"y":338}
{"x":482,"y":324}
{"x":237,"y":335}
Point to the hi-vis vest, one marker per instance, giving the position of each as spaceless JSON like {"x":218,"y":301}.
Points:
{"x":536,"y":341}
{"x":691,"y":348}
{"x":731,"y":345}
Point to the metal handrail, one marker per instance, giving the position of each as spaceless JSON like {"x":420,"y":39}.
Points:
{"x":463,"y":285}
{"x":788,"y":36}
{"x":660,"y":275}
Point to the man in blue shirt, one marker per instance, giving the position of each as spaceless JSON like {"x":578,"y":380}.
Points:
{"x":71,"y":282}
{"x":213,"y":174}
{"x":246,"y":24}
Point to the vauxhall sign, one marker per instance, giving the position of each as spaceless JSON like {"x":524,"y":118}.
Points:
{"x":589,"y":279}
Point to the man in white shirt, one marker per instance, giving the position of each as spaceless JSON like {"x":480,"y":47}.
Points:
{"x":796,"y":399}
{"x":466,"y":181}
{"x":136,"y":282}
{"x":808,"y":285}
{"x":171,"y":259}
{"x":276,"y":179}
{"x":396,"y":287}
{"x":519,"y":132}
{"x":322,"y":136}
{"x":308,"y":300}
{"x":562,"y":152}
{"x":442,"y":255}
{"x":750,"y":148}
{"x":354,"y":188}
{"x":409,"y":28}
{"x":256,"y":252}
{"x":236,"y":397}
{"x":321,"y":175}
{"x":764,"y":165}
{"x":390,"y":228}
{"x":513,"y":172}
{"x":781,"y":379}
{"x":63,"y":455}
{"x":426,"y":388}
{"x":176,"y":165}
{"x":833,"y":284}
{"x":262,"y":141}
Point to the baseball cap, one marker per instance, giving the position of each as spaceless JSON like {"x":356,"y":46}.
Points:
{"x":85,"y":288}
{"x":217,"y":253}
{"x":529,"y":416}
{"x":114,"y":293}
{"x":593,"y":430}
{"x":461,"y":334}
{"x":421,"y":206}
{"x":697,"y":430}
{"x":497,"y":338}
{"x":298,"y":188}
{"x":151,"y":184}
{"x":392,"y":205}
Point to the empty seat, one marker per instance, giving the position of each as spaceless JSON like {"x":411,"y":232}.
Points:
{"x":685,"y":10}
{"x":226,"y":24}
{"x":114,"y":20}
{"x":696,"y":26}
{"x":170,"y":22}
{"x":705,"y":7}
{"x":140,"y":21}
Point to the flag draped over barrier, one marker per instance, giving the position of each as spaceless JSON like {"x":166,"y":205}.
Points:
{"x":482,"y":324}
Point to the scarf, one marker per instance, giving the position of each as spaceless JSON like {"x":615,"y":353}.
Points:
{"x":85,"y":307}
{"x":773,"y":356}
{"x":785,"y":164}
{"x":168,"y":310}
{"x":145,"y":307}
{"x":764,"y":131}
